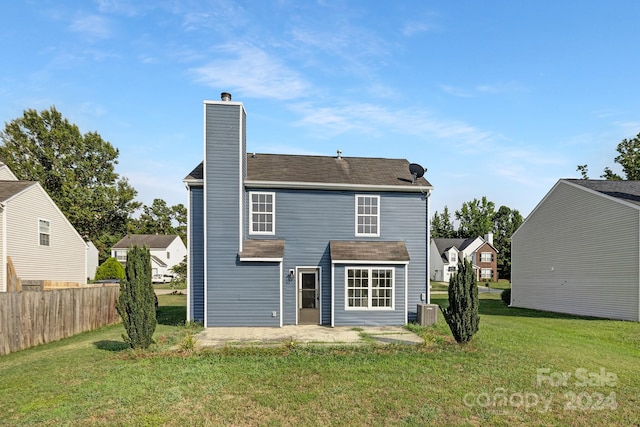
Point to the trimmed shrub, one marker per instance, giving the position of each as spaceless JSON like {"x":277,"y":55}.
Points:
{"x":462,"y":314}
{"x":506,"y":296}
{"x":136,"y":303}
{"x":110,"y":269}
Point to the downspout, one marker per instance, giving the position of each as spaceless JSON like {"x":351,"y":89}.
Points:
{"x":3,"y":258}
{"x":428,"y":246}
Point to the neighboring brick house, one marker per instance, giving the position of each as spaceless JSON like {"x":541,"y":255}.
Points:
{"x":445,"y":254}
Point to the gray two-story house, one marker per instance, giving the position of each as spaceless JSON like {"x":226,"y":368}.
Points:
{"x":291,"y":239}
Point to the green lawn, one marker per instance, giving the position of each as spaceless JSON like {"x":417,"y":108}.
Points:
{"x":94,"y":379}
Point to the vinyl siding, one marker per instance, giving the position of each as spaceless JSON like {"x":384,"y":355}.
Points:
{"x":307,"y":220}
{"x":238,"y":294}
{"x":196,"y":254}
{"x":64,"y":260}
{"x":578,"y":253}
{"x":344,"y":317}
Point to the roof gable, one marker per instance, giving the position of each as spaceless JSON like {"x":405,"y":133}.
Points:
{"x":9,"y":189}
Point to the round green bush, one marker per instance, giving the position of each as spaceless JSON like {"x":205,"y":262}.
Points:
{"x":110,"y":269}
{"x":506,"y":296}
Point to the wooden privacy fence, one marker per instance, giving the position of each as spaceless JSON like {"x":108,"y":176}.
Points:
{"x":31,"y":318}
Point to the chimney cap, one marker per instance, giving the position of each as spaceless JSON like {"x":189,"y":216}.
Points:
{"x":225,"y":96}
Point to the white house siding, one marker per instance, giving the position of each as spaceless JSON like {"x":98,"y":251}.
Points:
{"x":578,"y":253}
{"x":6,"y":174}
{"x":3,"y":255}
{"x":436,"y":264}
{"x":64,"y":260}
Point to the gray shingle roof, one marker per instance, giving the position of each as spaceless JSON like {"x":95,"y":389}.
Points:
{"x":368,"y":251}
{"x":153,"y":241}
{"x":9,"y":189}
{"x":325,"y":169}
{"x":262,"y":249}
{"x":626,"y":190}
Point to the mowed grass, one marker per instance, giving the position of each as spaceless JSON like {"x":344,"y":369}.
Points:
{"x":94,"y":379}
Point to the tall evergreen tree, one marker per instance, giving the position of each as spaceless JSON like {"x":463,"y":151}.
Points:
{"x":136,"y":303}
{"x":462,"y":314}
{"x":441,"y":225}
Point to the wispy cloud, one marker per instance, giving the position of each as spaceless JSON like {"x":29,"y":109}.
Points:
{"x":492,"y":89}
{"x":93,"y":27}
{"x":252,"y":72}
{"x":375,"y":120}
{"x":413,"y":28}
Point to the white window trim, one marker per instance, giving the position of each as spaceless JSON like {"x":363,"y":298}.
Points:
{"x":483,"y":270}
{"x":488,"y":253}
{"x":48,"y":233}
{"x":273,"y":213}
{"x":370,"y":293}
{"x":377,"y":234}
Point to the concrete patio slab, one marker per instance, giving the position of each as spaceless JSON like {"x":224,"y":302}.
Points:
{"x":305,"y":334}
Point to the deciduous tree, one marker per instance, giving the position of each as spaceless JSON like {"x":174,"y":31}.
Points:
{"x":476,"y":218}
{"x":76,"y":170}
{"x":506,"y":222}
{"x":159,"y":218}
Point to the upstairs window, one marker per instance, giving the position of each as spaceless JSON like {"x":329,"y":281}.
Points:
{"x":454,"y":257}
{"x":262,"y":213}
{"x":44,"y":231}
{"x":486,"y":257}
{"x":367,"y":215}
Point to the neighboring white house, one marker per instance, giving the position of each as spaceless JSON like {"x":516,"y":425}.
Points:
{"x":445,"y":254}
{"x":93,"y":261}
{"x":578,"y":252}
{"x":36,"y":236}
{"x":166,"y":250}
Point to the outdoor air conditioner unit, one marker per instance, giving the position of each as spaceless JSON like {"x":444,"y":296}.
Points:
{"x":427,"y":314}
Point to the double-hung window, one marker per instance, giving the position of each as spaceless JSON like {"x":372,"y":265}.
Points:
{"x":44,"y":232}
{"x":486,"y":257}
{"x":367,"y":215}
{"x":486,"y":273}
{"x":262,"y":213}
{"x":370,"y":288}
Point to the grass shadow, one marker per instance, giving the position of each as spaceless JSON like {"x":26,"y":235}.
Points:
{"x":110,"y":345}
{"x":496,"y":307}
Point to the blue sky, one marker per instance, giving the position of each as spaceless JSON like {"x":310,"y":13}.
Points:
{"x":494,"y":98}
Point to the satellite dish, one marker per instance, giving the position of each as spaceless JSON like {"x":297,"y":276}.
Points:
{"x":417,"y":171}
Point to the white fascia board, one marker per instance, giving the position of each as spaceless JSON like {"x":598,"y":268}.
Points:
{"x":347,"y":261}
{"x":193,"y":182}
{"x":333,"y":186}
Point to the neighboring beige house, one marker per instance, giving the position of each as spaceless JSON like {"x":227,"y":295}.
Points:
{"x":36,"y":236}
{"x":445,"y":254}
{"x":578,"y":252}
{"x":166,"y":250}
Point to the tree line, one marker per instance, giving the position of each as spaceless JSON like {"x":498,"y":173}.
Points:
{"x":78,"y":172}
{"x":478,"y":218}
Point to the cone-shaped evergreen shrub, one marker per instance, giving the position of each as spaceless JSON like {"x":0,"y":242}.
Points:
{"x":462,"y":313}
{"x":136,"y":303}
{"x":110,"y":269}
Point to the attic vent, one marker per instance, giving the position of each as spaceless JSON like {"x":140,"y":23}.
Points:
{"x":225,"y":96}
